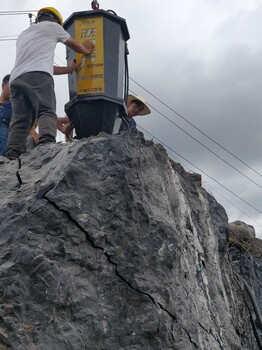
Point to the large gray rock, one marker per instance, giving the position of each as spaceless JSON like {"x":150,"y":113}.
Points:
{"x":241,"y":229}
{"x":110,"y":245}
{"x":246,"y":252}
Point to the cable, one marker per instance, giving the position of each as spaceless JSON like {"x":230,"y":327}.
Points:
{"x":126,"y":83}
{"x":21,"y":11}
{"x":208,"y":186}
{"x":213,"y":189}
{"x":243,"y":200}
{"x":170,"y":155}
{"x":8,"y":36}
{"x":253,"y":301}
{"x":226,"y":162}
{"x":10,"y":13}
{"x":249,"y":292}
{"x":8,"y":39}
{"x":111,"y":11}
{"x":202,"y":132}
{"x":16,"y":14}
{"x":60,"y":61}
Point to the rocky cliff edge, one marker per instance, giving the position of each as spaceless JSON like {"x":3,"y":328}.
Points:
{"x":110,"y":245}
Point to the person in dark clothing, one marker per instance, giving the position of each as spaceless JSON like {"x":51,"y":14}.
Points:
{"x":5,"y":114}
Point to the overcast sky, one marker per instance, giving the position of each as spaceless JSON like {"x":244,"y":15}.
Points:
{"x":203,"y":59}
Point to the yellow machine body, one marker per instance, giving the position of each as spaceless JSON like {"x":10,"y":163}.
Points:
{"x":96,"y":91}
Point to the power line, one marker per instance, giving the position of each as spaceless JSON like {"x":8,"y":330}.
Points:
{"x":20,"y":11}
{"x":8,"y":39}
{"x":213,"y":189}
{"x":9,"y":13}
{"x":174,"y":158}
{"x":8,"y":36}
{"x":243,"y":200}
{"x":60,"y":61}
{"x":202,"y":132}
{"x":203,"y":145}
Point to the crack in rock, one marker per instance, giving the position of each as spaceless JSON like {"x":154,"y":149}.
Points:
{"x":189,"y":337}
{"x":173,"y":317}
{"x":107,"y":256}
{"x":210,"y":332}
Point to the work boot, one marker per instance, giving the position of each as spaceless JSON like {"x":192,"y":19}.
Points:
{"x":46,"y":140}
{"x":4,"y":160}
{"x":12,"y":155}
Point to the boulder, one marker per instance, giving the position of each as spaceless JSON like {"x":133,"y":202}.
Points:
{"x":110,"y":245}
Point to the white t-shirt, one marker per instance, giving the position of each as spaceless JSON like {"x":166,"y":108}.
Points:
{"x":35,"y":48}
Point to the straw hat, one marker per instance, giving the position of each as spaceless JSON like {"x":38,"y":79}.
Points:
{"x":132,"y":98}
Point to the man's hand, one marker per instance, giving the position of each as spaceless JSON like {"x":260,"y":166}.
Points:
{"x":89,"y":45}
{"x":86,"y":48}
{"x":64,"y":125}
{"x":66,"y":70}
{"x":74,"y":66}
{"x":66,"y":129}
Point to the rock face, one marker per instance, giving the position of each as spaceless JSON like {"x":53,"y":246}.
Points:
{"x":108,"y":245}
{"x":246,"y":252}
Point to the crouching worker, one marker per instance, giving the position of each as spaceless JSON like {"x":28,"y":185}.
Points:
{"x":64,"y":125}
{"x":135,"y":106}
{"x":31,"y":81}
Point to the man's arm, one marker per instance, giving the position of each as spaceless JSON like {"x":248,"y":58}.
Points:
{"x":86,"y":48}
{"x":66,"y":70}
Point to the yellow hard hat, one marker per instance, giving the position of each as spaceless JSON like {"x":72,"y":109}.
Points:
{"x":54,"y":11}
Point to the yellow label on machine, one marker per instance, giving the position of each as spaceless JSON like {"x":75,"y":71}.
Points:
{"x":90,"y":76}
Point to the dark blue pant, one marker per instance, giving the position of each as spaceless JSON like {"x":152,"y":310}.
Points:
{"x":3,"y":140}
